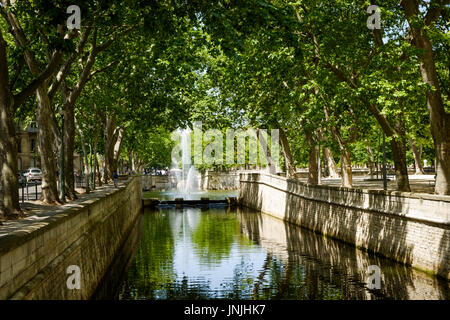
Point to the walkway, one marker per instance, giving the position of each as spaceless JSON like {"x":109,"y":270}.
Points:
{"x":35,"y":210}
{"x":419,"y":183}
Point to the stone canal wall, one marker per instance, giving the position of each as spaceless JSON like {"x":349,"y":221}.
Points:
{"x":411,"y":228}
{"x":157,"y":183}
{"x":337,"y":263}
{"x":87,"y":233}
{"x":209,"y":180}
{"x":217,"y":180}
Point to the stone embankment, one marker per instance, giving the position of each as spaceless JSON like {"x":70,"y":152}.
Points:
{"x":41,"y":255}
{"x":410,"y":228}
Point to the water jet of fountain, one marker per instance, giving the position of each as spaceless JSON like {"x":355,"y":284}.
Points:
{"x":187,"y":177}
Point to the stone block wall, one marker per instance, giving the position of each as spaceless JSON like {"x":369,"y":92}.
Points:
{"x":318,"y":255}
{"x":85,"y":233}
{"x":411,"y":228}
{"x":212,"y":180}
{"x":158,"y":183}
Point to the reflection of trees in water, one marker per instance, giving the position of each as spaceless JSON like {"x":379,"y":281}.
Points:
{"x":152,"y":269}
{"x":323,"y":268}
{"x":214,"y":236}
{"x":259,"y":282}
{"x":299,"y":264}
{"x":188,"y":289}
{"x":241,"y":285}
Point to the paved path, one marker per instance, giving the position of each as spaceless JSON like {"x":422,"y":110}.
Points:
{"x":419,"y":183}
{"x":34,"y":211}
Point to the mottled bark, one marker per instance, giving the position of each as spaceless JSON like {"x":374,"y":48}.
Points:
{"x":267,"y":153}
{"x":94,"y":152}
{"x":44,"y":114}
{"x":332,"y":169}
{"x":313,"y":165}
{"x":371,"y":163}
{"x":8,"y":105}
{"x":118,"y":148}
{"x":346,"y":165}
{"x":401,"y":170}
{"x":85,"y":156}
{"x":113,"y":144}
{"x":109,"y":136}
{"x":439,"y":118}
{"x":8,"y":148}
{"x":289,"y":160}
{"x":69,"y":146}
{"x":97,"y":165}
{"x":346,"y":169}
{"x":417,"y":157}
{"x":131,"y":160}
{"x":45,"y":142}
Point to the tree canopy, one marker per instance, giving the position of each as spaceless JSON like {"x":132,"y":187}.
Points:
{"x":136,"y":70}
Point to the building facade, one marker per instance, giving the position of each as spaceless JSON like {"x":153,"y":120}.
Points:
{"x":28,"y":151}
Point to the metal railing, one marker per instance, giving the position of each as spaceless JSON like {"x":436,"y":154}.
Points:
{"x":30,"y":191}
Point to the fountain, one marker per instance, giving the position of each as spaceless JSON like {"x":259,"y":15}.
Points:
{"x":191,"y":182}
{"x":187,"y":178}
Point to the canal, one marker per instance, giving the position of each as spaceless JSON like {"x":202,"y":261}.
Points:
{"x":235,"y":253}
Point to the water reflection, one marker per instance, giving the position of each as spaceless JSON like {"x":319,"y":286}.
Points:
{"x":240,"y":254}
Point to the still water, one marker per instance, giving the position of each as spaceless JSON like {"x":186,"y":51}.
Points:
{"x":222,"y":253}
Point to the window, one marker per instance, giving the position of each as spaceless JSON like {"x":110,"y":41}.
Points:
{"x":33,"y":145}
{"x":19,"y":145}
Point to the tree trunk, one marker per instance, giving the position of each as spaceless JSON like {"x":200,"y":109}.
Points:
{"x":9,"y":186}
{"x":346,"y":169}
{"x":117,"y":149}
{"x":290,"y":167}
{"x":45,"y":135}
{"x":86,"y":171}
{"x":69,"y":137}
{"x":331,"y":164}
{"x":98,"y":170}
{"x":8,"y":157}
{"x":401,"y":169}
{"x":313,"y":166}
{"x":417,"y":158}
{"x":110,"y":140}
{"x":94,"y":152}
{"x":267,"y":152}
{"x":85,"y":156}
{"x":439,"y":119}
{"x":131,"y":163}
{"x":371,"y":162}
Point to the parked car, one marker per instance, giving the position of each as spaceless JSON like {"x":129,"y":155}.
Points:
{"x":33,"y":174}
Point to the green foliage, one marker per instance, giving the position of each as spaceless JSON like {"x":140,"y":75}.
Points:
{"x":307,"y":67}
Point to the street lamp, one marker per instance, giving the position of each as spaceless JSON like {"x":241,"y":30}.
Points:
{"x":319,"y":169}
{"x":92,"y":175}
{"x":384,"y":163}
{"x":62,"y":174}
